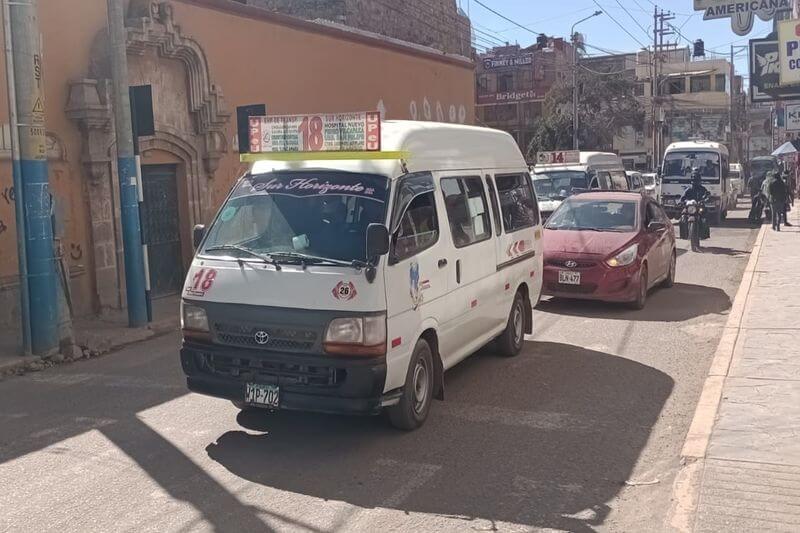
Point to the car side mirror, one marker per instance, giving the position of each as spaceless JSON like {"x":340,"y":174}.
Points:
{"x":655,"y":225}
{"x":198,"y":233}
{"x":377,"y":240}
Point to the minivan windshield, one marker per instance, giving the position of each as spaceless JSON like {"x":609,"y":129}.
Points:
{"x":760,"y":167}
{"x":304,"y":216}
{"x":594,"y":215}
{"x":558,"y":183}
{"x":679,"y":164}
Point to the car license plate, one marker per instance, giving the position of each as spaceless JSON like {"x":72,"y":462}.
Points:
{"x":262,"y":395}
{"x":569,"y":278}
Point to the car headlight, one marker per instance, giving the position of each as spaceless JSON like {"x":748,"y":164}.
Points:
{"x":356,"y":336}
{"x":193,"y":318}
{"x":625,"y":257}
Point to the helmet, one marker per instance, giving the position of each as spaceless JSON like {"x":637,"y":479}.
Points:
{"x":697,"y":176}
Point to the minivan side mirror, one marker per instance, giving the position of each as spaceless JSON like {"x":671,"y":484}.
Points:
{"x":198,"y":233}
{"x":377,"y":240}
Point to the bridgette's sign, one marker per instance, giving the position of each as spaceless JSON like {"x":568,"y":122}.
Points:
{"x":508,"y":97}
{"x":741,"y":12}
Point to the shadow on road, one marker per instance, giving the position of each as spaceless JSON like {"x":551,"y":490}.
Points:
{"x":683,"y":301}
{"x":717,"y":250}
{"x":544,"y":439}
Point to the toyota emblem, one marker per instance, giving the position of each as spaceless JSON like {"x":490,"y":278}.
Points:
{"x":570,"y":264}
{"x":262,"y":337}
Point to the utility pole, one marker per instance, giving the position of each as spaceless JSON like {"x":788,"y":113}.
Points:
{"x":574,"y":38}
{"x":732,"y":146}
{"x":126,"y":168}
{"x":38,"y":284}
{"x":659,"y":18}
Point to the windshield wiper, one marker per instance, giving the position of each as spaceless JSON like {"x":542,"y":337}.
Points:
{"x":306,"y":259}
{"x":264,"y":257}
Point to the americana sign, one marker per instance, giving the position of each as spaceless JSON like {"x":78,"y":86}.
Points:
{"x":741,"y":12}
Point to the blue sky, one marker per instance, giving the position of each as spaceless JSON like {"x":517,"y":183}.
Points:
{"x":555,"y":17}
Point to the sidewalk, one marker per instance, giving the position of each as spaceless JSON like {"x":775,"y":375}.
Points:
{"x":745,"y":437}
{"x":93,"y":336}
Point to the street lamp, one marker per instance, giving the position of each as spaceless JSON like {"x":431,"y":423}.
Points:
{"x":575,"y":79}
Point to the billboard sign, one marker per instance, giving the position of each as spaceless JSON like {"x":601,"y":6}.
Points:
{"x":491,"y":63}
{"x":765,"y":73}
{"x":792,"y":117}
{"x":509,"y":97}
{"x":316,"y":133}
{"x":741,"y":12}
{"x":789,"y":51}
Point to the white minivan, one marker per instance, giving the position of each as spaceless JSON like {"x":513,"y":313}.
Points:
{"x":350,"y":286}
{"x":575,"y":171}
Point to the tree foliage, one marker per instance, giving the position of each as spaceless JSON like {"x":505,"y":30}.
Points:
{"x":606,"y":104}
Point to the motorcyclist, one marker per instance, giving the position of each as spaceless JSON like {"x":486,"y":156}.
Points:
{"x":696,"y":191}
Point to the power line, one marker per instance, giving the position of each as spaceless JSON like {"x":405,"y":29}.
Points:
{"x":514,"y":22}
{"x":618,"y":24}
{"x":647,"y":33}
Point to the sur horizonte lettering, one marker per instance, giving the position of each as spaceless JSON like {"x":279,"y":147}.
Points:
{"x":311,"y":185}
{"x":733,"y":8}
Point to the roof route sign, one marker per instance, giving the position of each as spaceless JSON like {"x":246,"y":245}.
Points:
{"x":331,"y":132}
{"x":741,"y":12}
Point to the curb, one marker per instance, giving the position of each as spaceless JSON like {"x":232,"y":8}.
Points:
{"x":696,"y":443}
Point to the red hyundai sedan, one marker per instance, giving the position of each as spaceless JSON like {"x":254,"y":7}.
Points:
{"x":611,"y":246}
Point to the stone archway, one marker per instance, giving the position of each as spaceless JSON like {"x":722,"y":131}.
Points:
{"x":191,"y":128}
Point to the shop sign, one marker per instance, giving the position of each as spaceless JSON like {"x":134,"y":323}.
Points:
{"x":789,"y":51}
{"x":491,"y":63}
{"x":765,"y":71}
{"x":509,"y":97}
{"x":741,"y":12}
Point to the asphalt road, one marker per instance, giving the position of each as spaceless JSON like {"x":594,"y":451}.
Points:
{"x":581,"y":432}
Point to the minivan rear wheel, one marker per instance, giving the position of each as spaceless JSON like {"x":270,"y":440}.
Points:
{"x":415,"y":402}
{"x":510,"y":342}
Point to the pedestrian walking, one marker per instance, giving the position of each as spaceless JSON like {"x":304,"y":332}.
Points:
{"x":775,"y":190}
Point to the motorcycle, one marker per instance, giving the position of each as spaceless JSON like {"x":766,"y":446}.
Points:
{"x":693,"y":224}
{"x":757,"y":209}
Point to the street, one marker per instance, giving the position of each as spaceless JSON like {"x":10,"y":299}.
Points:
{"x":581,"y":432}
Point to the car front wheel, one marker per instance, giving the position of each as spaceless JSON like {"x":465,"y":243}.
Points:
{"x":415,"y":402}
{"x":641,"y":295}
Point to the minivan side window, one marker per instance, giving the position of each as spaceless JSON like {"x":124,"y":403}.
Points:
{"x":618,"y":181}
{"x":467,"y":211}
{"x":516,"y":202}
{"x":418,"y":229}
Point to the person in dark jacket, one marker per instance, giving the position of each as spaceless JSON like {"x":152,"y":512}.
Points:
{"x":696,"y":192}
{"x":775,"y":190}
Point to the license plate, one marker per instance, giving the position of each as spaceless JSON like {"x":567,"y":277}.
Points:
{"x":569,"y":278}
{"x":262,"y":395}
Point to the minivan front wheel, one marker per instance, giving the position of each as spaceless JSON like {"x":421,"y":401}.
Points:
{"x":415,"y":402}
{"x":510,"y":342}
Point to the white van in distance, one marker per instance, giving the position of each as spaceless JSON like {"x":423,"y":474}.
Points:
{"x":350,"y":286}
{"x":558,"y":174}
{"x":676,"y":176}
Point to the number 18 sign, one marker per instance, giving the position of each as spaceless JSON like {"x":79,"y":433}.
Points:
{"x":316,"y":133}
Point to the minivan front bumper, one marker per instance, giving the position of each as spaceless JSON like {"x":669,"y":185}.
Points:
{"x":317,"y":383}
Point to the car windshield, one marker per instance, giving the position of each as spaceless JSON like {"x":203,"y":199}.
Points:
{"x":594,"y":215}
{"x":559,"y":183}
{"x":297,"y":216}
{"x":679,"y":165}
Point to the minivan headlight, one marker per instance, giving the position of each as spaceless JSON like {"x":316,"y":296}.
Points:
{"x":625,"y":257}
{"x":356,"y":336}
{"x":193,"y":318}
